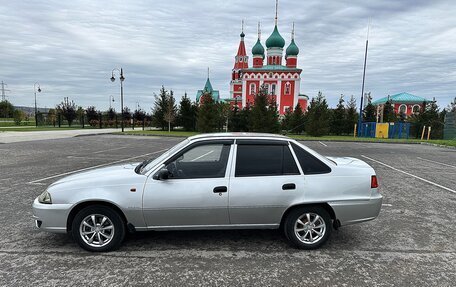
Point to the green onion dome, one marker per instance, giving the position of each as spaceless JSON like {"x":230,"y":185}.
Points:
{"x":292,"y":49}
{"x":258,"y":48}
{"x":275,"y":40}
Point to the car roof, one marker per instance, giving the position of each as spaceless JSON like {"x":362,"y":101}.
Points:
{"x":238,"y":135}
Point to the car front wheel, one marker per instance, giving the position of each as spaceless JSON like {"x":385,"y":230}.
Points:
{"x":98,"y":228}
{"x":308,"y":227}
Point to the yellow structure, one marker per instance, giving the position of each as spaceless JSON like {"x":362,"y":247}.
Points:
{"x":381,"y":130}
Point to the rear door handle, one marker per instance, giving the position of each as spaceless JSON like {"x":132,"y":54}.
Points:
{"x":288,"y":186}
{"x":219,"y":189}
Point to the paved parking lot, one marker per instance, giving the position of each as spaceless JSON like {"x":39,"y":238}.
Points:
{"x":412,"y":243}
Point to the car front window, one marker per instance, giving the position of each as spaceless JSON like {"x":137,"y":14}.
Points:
{"x":167,"y":153}
{"x":202,"y":161}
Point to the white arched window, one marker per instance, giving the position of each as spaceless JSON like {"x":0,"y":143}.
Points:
{"x":416,"y":109}
{"x":252,"y":89}
{"x":287,"y":88}
{"x":266,"y":89}
{"x":403,"y":109}
{"x":241,"y":59}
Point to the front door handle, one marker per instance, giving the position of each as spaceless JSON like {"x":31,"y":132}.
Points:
{"x":219,"y":189}
{"x":289,"y":186}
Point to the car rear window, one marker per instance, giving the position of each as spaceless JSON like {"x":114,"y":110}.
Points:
{"x":264,"y":160}
{"x":309,"y":163}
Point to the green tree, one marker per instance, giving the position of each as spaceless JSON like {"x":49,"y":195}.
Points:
{"x":388,"y":112}
{"x":40,"y":118}
{"x":452,"y":106}
{"x":297,"y":120}
{"x":6,"y":109}
{"x":186,"y":114}
{"x":264,"y":116}
{"x":273,"y":117}
{"x":139,"y":115}
{"x":68,"y":110}
{"x":432,"y":118}
{"x":351,"y":116}
{"x":92,"y":116}
{"x":18,"y":116}
{"x":170,"y":113}
{"x":207,"y":114}
{"x":111,"y":114}
{"x":370,"y":112}
{"x":92,"y":113}
{"x":80,"y":114}
{"x":429,"y":116}
{"x":317,"y":123}
{"x":286,"y":123}
{"x":222,"y":115}
{"x":160,"y":107}
{"x":126,"y":114}
{"x":336,"y":124}
{"x":245,"y":115}
{"x":239,"y":119}
{"x":51,"y":118}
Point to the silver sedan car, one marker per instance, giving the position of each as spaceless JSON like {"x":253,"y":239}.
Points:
{"x":214,"y":181}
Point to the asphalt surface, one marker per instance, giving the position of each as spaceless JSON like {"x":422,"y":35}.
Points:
{"x":411,"y":243}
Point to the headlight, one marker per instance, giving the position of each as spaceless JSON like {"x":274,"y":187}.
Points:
{"x":45,"y":197}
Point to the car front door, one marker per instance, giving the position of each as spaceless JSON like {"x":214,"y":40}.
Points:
{"x":265,"y":182}
{"x":196,"y":190}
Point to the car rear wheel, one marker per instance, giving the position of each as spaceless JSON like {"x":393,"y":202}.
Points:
{"x":308,"y":227}
{"x":98,"y":228}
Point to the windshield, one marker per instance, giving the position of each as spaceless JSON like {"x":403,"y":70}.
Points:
{"x":148,"y":165}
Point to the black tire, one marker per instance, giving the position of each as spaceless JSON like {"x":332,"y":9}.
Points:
{"x":111,"y":238}
{"x":302,"y":239}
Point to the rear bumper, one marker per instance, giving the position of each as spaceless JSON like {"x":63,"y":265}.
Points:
{"x":51,"y":217}
{"x":356,"y":211}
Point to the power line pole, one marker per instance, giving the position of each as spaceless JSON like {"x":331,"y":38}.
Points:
{"x":3,"y":91}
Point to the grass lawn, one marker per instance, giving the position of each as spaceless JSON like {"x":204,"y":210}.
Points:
{"x":179,"y":133}
{"x":34,"y":129}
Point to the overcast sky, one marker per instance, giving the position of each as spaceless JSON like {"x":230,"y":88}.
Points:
{"x":70,"y":47}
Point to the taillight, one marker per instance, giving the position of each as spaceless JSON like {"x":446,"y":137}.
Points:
{"x":374,"y":181}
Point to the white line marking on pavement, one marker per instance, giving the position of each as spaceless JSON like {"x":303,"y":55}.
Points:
{"x":412,"y":175}
{"x":106,"y":150}
{"x":387,"y":204}
{"x":323,"y":144}
{"x":445,"y":164}
{"x":95,"y":166}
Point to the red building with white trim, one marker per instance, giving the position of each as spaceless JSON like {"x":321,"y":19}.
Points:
{"x":282,"y":82}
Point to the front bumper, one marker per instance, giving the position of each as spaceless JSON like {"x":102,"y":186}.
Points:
{"x":51,"y":217}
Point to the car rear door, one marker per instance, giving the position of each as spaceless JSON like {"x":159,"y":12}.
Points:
{"x":265,"y":181}
{"x":196,"y":192}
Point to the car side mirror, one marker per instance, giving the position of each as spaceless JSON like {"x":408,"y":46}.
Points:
{"x":161,"y":174}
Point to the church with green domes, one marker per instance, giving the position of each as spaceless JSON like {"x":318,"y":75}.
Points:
{"x":279,"y":75}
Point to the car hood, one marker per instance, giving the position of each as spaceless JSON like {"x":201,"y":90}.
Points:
{"x":106,"y":176}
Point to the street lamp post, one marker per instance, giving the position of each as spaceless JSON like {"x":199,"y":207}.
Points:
{"x":36,"y":110}
{"x":111,"y":99}
{"x":121,"y":78}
